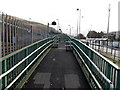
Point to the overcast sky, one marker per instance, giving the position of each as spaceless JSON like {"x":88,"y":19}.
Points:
{"x":95,"y":13}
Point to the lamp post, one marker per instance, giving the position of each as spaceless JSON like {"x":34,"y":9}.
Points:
{"x":79,"y":22}
{"x":53,"y":23}
{"x":31,"y":30}
{"x":108,"y":20}
{"x":58,"y":25}
{"x":108,"y":24}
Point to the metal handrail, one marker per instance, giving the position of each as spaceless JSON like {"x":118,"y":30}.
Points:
{"x":114,"y":65}
{"x":105,"y":72}
{"x":88,"y":69}
{"x":13,"y":53}
{"x":105,"y":78}
{"x":27,"y":66}
{"x":29,"y":54}
{"x":11,"y":69}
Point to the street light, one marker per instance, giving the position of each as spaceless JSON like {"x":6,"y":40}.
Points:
{"x":60,"y":30}
{"x":58,"y":26}
{"x":109,"y":8}
{"x":31,"y":30}
{"x":53,"y":23}
{"x":79,"y":22}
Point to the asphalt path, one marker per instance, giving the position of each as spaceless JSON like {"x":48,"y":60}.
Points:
{"x":59,"y":69}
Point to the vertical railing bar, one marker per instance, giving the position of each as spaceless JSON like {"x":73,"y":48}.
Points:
{"x":111,"y":74}
{"x":5,"y":69}
{"x":18,"y":44}
{"x":15,"y":37}
{"x":6,"y":34}
{"x":116,"y":78}
{"x":102,"y":66}
{"x":3,"y":36}
{"x":12,"y":34}
{"x":9,"y":28}
{"x":114,"y":81}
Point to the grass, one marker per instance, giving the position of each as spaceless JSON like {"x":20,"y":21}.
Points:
{"x":114,"y":61}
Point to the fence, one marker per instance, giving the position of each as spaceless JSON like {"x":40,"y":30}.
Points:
{"x":100,"y":72}
{"x":112,"y":48}
{"x":17,"y":66}
{"x":16,"y":33}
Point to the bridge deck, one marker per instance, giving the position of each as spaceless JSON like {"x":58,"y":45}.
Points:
{"x":59,"y":69}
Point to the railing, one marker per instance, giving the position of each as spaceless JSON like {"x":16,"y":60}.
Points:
{"x":15,"y":33}
{"x":17,"y":65}
{"x":110,"y":49}
{"x":99,"y":71}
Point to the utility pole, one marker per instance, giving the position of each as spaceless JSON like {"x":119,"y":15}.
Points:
{"x":108,"y":20}
{"x":108,"y":26}
{"x":48,"y":30}
{"x":79,"y":22}
{"x":31,"y":34}
{"x":58,"y":25}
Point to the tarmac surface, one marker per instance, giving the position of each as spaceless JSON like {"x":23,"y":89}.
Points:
{"x":59,"y":70}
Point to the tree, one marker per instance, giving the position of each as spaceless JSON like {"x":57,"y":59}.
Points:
{"x":94,"y":34}
{"x":81,"y":36}
{"x":101,"y":34}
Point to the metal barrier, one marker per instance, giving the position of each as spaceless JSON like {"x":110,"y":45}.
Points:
{"x":17,"y":66}
{"x":109,"y":47}
{"x":100,"y":72}
{"x":16,"y":33}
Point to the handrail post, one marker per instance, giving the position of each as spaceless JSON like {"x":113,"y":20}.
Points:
{"x":4,"y":69}
{"x":118,"y":79}
{"x":31,"y":34}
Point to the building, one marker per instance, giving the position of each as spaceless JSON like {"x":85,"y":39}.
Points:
{"x":109,"y":36}
{"x":117,"y":35}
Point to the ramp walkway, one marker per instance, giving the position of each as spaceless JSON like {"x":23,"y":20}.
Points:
{"x":59,"y":69}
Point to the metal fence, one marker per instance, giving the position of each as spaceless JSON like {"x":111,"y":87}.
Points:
{"x":100,"y":72}
{"x":16,"y":33}
{"x":18,"y":66}
{"x":108,"y":47}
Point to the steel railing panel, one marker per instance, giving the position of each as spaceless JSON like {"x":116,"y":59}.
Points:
{"x":15,"y":63}
{"x":106,"y":72}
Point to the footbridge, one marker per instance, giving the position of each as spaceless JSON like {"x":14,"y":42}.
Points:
{"x":58,"y":62}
